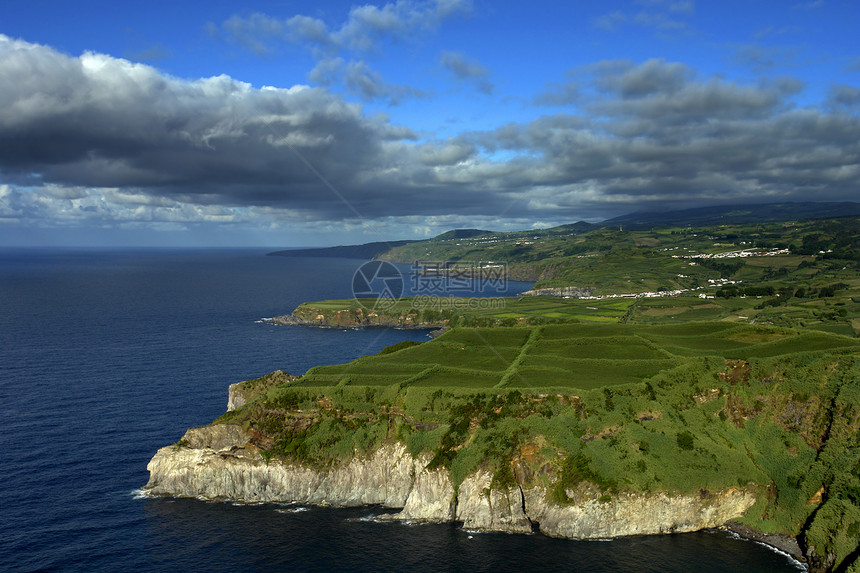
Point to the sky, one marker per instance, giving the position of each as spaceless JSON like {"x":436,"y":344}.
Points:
{"x":282,"y":123}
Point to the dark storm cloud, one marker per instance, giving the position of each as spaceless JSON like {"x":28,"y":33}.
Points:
{"x":82,"y":137}
{"x":96,"y":121}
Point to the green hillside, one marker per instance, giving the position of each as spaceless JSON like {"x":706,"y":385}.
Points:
{"x":618,"y":260}
{"x":703,"y":359}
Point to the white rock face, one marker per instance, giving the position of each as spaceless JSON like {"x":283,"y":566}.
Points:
{"x":241,"y":472}
{"x":626,"y":513}
{"x":235,"y":397}
{"x":219,"y":463}
{"x":431,"y":497}
{"x":484,"y":509}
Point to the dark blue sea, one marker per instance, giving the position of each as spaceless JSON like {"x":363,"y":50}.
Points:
{"x":105,"y":356}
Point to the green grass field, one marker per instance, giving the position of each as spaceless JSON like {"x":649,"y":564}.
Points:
{"x":572,"y":356}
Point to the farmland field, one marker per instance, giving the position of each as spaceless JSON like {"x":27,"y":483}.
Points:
{"x":575,"y":356}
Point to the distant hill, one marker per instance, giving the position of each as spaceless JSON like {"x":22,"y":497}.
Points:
{"x":578,"y":227}
{"x":735,"y":215}
{"x":373,"y":250}
{"x":365,"y":251}
{"x":697,"y":217}
{"x":462,"y":234}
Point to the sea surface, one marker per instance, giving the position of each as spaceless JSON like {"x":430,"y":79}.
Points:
{"x":107,"y":355}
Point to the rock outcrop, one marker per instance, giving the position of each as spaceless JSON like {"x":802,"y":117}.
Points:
{"x":482,"y":508}
{"x":219,"y":462}
{"x":241,"y":393}
{"x":430,"y":499}
{"x":590,"y":515}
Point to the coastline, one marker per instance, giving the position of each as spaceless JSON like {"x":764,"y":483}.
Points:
{"x":219,"y":462}
{"x":527,"y":499}
{"x":290,"y":320}
{"x":781,"y":543}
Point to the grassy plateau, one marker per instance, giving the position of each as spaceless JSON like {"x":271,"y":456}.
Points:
{"x":705,"y":358}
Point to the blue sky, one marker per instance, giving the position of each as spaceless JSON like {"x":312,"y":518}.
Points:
{"x":288,"y":123}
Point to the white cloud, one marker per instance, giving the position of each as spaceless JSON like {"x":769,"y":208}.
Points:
{"x":665,"y":17}
{"x":341,"y":51}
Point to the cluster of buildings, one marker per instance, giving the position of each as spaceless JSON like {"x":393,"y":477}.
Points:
{"x":736,"y":254}
{"x":647,"y":294}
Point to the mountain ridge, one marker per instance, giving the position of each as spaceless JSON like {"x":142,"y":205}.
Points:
{"x":697,"y":216}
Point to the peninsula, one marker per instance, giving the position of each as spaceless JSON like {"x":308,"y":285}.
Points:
{"x":734,"y":403}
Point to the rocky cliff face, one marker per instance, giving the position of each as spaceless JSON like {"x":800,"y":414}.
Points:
{"x":218,"y":462}
{"x":590,"y":515}
{"x":482,"y":508}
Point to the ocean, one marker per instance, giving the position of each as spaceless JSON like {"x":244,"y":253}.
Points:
{"x":108,"y":355}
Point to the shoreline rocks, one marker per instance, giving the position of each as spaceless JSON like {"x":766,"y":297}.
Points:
{"x":783,"y":543}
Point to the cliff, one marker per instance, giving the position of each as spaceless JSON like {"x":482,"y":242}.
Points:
{"x":219,"y":462}
{"x":423,"y":312}
{"x":351,"y":314}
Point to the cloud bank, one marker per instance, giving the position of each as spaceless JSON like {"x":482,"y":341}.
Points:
{"x":97,"y":137}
